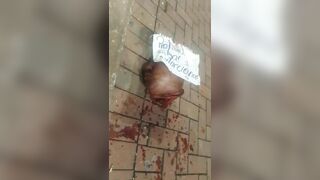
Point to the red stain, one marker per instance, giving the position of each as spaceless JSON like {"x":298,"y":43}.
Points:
{"x":158,"y":163}
{"x":129,"y":132}
{"x":145,"y":110}
{"x":185,"y":144}
{"x":158,"y":177}
{"x":191,"y":147}
{"x":143,"y":153}
{"x":131,"y":101}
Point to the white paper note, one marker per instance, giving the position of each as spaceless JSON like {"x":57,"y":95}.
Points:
{"x":179,"y":59}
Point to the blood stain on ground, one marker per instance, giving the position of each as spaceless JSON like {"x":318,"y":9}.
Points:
{"x":130,"y":132}
{"x":158,"y":163}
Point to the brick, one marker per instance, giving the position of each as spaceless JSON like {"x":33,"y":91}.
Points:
{"x":202,"y":124}
{"x":201,"y":30}
{"x":148,"y":159}
{"x":182,"y":156}
{"x":202,"y":66}
{"x":137,"y":45}
{"x":169,"y":168}
{"x":188,"y":36}
{"x":147,"y":176}
{"x":166,"y":20}
{"x":121,"y":154}
{"x":197,"y":164}
{"x":140,"y":30}
{"x":186,"y":88}
{"x":179,"y":35}
{"x":148,"y":5}
{"x":209,"y":138}
{"x":209,"y":168}
{"x":177,"y":122}
{"x":204,"y":148}
{"x":202,"y":102}
{"x":131,"y":61}
{"x":119,"y":124}
{"x":182,"y":4}
{"x":208,"y":82}
{"x":195,"y":33}
{"x":184,"y":15}
{"x":144,"y":134}
{"x":175,"y":16}
{"x":209,"y":120}
{"x":203,"y":177}
{"x":175,"y":105}
{"x":129,"y":81}
{"x":173,"y":3}
{"x":143,"y":16}
{"x":187,"y":177}
{"x":161,"y":28}
{"x":208,"y":66}
{"x":154,"y":114}
{"x":189,"y":4}
{"x":163,"y":138}
{"x":205,"y":91}
{"x":163,"y":5}
{"x":125,"y":103}
{"x":193,"y":137}
{"x":194,"y":97}
{"x":189,"y":109}
{"x":120,"y":175}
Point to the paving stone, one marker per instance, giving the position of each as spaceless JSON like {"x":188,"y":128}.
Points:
{"x":148,"y":159}
{"x":129,"y":81}
{"x":137,"y":45}
{"x":202,"y":102}
{"x":179,"y":35}
{"x":123,"y":128}
{"x":175,"y":106}
{"x":194,"y":97}
{"x":120,"y":175}
{"x":186,"y":88}
{"x":193,"y":137}
{"x":169,"y":168}
{"x":144,"y":133}
{"x":143,"y":16}
{"x":209,"y":138}
{"x":175,"y":16}
{"x":163,"y":138}
{"x":148,"y":5}
{"x":177,"y":122}
{"x":204,"y":148}
{"x":197,"y":164}
{"x":187,"y":177}
{"x":154,"y":114}
{"x":124,"y":103}
{"x":209,"y":120}
{"x":184,"y":15}
{"x":148,"y":176}
{"x":182,"y":156}
{"x":202,"y":177}
{"x":188,"y":36}
{"x":131,"y":61}
{"x":139,"y":29}
{"x":166,"y":20}
{"x":189,"y":109}
{"x":202,"y":124}
{"x":161,"y":28}
{"x":121,"y":154}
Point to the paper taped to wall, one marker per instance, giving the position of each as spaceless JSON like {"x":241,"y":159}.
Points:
{"x":179,"y":59}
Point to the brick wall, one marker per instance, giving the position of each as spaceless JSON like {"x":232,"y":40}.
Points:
{"x":147,"y":142}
